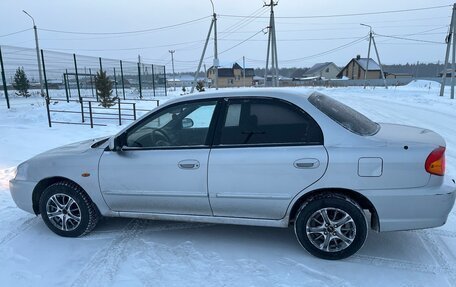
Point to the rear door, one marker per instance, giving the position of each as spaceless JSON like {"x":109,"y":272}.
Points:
{"x":265,"y":152}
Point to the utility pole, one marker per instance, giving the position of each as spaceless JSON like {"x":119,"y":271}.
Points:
{"x":38,"y":58}
{"x":372,"y":41}
{"x":272,"y":48}
{"x":243,"y":69}
{"x":172,"y":61}
{"x":368,"y":54}
{"x":216,"y":60}
{"x":448,"y":40}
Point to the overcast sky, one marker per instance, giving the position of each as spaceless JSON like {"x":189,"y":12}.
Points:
{"x":298,"y":38}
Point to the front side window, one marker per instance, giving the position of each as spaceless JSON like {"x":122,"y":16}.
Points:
{"x":181,"y":125}
{"x":267,"y":122}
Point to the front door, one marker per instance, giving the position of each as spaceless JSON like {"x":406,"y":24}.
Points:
{"x":163,"y":165}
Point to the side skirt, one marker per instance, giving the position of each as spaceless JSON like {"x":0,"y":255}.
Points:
{"x":204,"y":219}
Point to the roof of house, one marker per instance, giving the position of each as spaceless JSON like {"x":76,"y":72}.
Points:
{"x":362,"y":62}
{"x":228,"y":71}
{"x":249,"y":72}
{"x":318,"y":67}
{"x":225,"y":72}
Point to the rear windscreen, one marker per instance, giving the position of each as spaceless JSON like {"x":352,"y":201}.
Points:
{"x":344,"y":115}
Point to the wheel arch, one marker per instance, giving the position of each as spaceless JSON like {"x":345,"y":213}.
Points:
{"x":45,"y":183}
{"x":363,"y":201}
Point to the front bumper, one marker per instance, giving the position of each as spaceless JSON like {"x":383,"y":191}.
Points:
{"x":22,"y":191}
{"x":414,"y":208}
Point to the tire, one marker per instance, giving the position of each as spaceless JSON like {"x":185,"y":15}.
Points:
{"x":67,"y":210}
{"x":331,"y":226}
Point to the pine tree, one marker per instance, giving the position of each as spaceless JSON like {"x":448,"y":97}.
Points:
{"x":200,"y":86}
{"x":103,"y":86}
{"x":21,"y":83}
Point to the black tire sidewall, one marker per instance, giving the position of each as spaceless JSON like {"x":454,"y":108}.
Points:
{"x":73,"y":193}
{"x":353,"y":210}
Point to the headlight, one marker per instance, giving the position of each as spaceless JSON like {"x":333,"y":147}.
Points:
{"x":21,"y":171}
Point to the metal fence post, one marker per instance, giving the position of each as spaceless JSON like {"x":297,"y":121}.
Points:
{"x":44,"y":73}
{"x":134,"y":111}
{"x":120,"y":112}
{"x":115,"y":82}
{"x":90,"y":114}
{"x":164,"y":73}
{"x":69,"y":84}
{"x":153,"y":79}
{"x":47,"y":99}
{"x":139,"y":80}
{"x":79,"y":89}
{"x":101,"y":66}
{"x":91,"y":82}
{"x":5,"y":88}
{"x":66,"y":85}
{"x":48,"y":111}
{"x":122,"y":79}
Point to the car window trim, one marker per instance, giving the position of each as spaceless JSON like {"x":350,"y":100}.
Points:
{"x":223,"y":114}
{"x":209,"y":136}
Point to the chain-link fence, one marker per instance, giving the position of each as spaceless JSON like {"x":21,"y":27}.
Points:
{"x":71,"y":76}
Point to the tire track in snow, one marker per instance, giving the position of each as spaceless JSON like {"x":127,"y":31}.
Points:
{"x":105,"y":263}
{"x":394,"y":264}
{"x":322,"y":276}
{"x":18,"y":230}
{"x":439,"y":232}
{"x":447,"y":267}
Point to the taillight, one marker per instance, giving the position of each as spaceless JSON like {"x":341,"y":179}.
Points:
{"x":435,"y":162}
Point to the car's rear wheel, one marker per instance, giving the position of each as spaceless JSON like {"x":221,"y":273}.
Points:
{"x":67,"y":210}
{"x":331,"y":226}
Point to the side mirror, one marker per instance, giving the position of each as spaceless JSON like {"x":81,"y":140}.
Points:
{"x":187,"y":123}
{"x":117,"y":142}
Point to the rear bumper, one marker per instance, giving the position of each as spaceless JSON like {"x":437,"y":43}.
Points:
{"x":415,"y":208}
{"x":22,"y":192}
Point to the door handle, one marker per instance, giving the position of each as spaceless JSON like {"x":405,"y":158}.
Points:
{"x":189,"y":164}
{"x":307,"y":163}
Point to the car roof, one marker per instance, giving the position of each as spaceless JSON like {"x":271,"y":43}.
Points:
{"x":280,"y":93}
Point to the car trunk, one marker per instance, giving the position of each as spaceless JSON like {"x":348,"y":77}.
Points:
{"x":405,"y":154}
{"x":408,"y":135}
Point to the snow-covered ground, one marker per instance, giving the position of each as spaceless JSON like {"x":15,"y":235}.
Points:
{"x":125,"y":252}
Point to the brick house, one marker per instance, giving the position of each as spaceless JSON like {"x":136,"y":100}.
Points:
{"x":231,"y":77}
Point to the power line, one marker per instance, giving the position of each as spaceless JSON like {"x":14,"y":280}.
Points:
{"x":328,"y":51}
{"x":242,"y":42}
{"x":409,"y":39}
{"x":344,"y":15}
{"x":239,"y":23}
{"x":126,"y":32}
{"x":129,"y":49}
{"x":302,"y":39}
{"x":17,"y":32}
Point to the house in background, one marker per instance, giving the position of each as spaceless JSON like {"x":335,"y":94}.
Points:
{"x":398,"y":75}
{"x":231,"y":76}
{"x":449,"y":73}
{"x":356,"y":69}
{"x":327,"y":70}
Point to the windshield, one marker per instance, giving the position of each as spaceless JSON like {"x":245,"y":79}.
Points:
{"x":344,"y":115}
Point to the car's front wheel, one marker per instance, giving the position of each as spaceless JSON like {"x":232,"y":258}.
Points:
{"x":331,"y":226}
{"x":67,"y":210}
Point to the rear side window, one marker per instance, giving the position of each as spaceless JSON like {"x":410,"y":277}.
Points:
{"x":267,"y":122}
{"x":344,"y":115}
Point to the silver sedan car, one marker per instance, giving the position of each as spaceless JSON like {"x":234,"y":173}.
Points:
{"x":266,"y":157}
